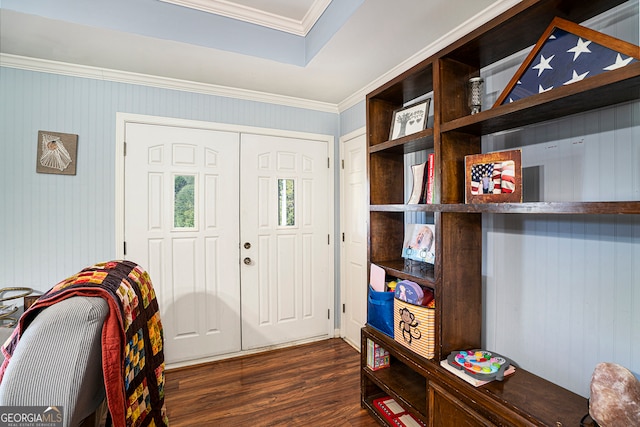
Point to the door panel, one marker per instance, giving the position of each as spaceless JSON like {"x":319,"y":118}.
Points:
{"x":181,"y":224}
{"x":284,"y":216}
{"x":354,"y":255}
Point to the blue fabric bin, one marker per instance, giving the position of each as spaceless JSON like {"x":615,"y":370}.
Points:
{"x":380,"y":311}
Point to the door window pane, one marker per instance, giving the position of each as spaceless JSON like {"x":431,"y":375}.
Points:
{"x":286,"y":203}
{"x":184,"y":202}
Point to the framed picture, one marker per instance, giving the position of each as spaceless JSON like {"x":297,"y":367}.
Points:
{"x":57,"y":153}
{"x":409,"y":120}
{"x":493,"y":177}
{"x":419,"y":242}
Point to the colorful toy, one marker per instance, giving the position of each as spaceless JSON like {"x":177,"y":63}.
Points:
{"x":480,"y":364}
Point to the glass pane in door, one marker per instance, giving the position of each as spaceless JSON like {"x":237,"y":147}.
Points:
{"x":286,"y":203}
{"x":184,"y":202}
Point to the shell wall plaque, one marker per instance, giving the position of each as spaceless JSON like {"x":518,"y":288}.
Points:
{"x":57,"y":153}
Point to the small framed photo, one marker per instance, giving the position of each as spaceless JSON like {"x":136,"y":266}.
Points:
{"x":419,"y":243}
{"x":493,"y":177}
{"x":409,"y":120}
{"x":56,"y":153}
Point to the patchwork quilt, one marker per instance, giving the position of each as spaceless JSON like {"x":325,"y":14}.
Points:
{"x":132,"y":340}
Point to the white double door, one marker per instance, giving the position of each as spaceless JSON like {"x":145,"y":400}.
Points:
{"x":233,"y":229}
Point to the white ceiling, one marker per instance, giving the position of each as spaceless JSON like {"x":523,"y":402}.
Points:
{"x":377,"y":37}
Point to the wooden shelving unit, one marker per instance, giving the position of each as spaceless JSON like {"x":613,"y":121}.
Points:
{"x":420,"y":385}
{"x":435,"y":396}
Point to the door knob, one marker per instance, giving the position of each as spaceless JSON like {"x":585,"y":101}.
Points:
{"x":247,"y":245}
{"x":247,"y":261}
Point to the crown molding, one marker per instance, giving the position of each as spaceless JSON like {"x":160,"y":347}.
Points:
{"x":313,"y":14}
{"x":75,"y":70}
{"x":449,"y":38}
{"x":258,"y":17}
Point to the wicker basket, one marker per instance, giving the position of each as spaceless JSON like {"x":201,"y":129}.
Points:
{"x":414,"y":327}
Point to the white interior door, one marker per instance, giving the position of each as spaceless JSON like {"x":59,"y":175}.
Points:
{"x":183,"y":214}
{"x":285,"y":274}
{"x":354,"y":228}
{"x":181,"y":224}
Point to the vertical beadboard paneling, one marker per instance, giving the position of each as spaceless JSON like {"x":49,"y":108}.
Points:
{"x":623,"y":288}
{"x":634,"y":297}
{"x":353,"y":118}
{"x":563,"y":292}
{"x":54,"y":225}
{"x":577,"y":300}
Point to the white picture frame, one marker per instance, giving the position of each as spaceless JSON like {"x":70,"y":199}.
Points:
{"x":409,"y":120}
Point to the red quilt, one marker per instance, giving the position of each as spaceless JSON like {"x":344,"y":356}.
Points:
{"x":132,"y":341}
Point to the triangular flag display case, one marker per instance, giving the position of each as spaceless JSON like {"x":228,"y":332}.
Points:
{"x":567,"y":53}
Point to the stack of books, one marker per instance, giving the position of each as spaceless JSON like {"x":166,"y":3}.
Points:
{"x":423,"y":176}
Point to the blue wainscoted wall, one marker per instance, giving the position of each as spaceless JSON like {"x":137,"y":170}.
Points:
{"x":353,"y":118}
{"x":562,"y":292}
{"x":54,"y":225}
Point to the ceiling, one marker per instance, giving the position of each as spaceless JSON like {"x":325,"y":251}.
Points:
{"x":352,"y":45}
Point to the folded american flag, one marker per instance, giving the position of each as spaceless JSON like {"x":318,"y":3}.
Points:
{"x":565,"y":58}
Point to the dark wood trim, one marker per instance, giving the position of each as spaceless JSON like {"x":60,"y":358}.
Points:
{"x":563,"y":208}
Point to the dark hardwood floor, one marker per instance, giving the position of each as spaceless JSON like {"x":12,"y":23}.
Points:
{"x":315,"y":384}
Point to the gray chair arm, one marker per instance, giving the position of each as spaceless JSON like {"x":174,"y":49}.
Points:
{"x":58,"y":361}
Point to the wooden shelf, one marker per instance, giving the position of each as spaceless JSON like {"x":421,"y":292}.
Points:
{"x":519,"y":399}
{"x":527,"y":397}
{"x":408,"y":86}
{"x":605,"y":89}
{"x":404,"y":385}
{"x":419,"y":141}
{"x":406,"y":208}
{"x":419,"y":364}
{"x":404,"y":380}
{"x":397,"y":268}
{"x":528,"y":19}
{"x":583,"y":208}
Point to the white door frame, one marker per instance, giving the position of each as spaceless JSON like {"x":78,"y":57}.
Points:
{"x":123,"y":118}
{"x":343,"y":261}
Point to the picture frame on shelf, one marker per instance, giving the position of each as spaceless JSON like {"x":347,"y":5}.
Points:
{"x":419,"y":172}
{"x":493,"y":177}
{"x":409,"y":120}
{"x":419,"y":243}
